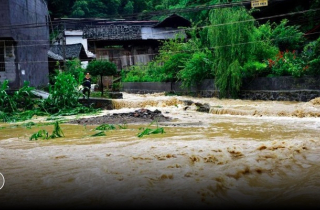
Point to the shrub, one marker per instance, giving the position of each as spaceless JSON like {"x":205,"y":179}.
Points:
{"x":288,"y":63}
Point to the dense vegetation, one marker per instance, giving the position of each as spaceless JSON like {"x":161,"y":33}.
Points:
{"x":229,"y":41}
{"x":63,"y":97}
{"x":233,"y":46}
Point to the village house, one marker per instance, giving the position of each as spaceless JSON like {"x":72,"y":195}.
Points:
{"x":123,"y":42}
{"x":24,"y":42}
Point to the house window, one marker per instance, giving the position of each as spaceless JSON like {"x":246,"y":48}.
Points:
{"x":2,"y":54}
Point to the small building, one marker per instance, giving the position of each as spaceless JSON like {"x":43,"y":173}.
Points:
{"x":24,"y":43}
{"x":61,"y":53}
{"x":123,"y":42}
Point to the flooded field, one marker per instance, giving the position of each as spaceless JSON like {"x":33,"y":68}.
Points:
{"x":242,"y":154}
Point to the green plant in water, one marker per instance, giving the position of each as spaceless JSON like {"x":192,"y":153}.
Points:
{"x":40,"y":134}
{"x":123,"y":126}
{"x":101,"y":133}
{"x":148,"y":131}
{"x":106,"y":127}
{"x":28,"y":125}
{"x":56,"y":133}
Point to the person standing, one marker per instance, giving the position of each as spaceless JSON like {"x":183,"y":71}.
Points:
{"x":86,"y":85}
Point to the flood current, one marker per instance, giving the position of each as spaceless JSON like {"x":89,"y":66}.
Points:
{"x":242,"y":154}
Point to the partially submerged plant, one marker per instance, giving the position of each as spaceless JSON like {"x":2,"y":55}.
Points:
{"x":56,"y":133}
{"x":40,"y":134}
{"x":101,"y":133}
{"x":123,"y":126}
{"x":28,"y":125}
{"x":106,"y":127}
{"x":148,"y":131}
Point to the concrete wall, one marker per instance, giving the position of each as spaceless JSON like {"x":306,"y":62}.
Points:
{"x":27,"y":58}
{"x":278,"y":88}
{"x":4,"y":19}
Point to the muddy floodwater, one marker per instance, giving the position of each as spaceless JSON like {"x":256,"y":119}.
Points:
{"x":239,"y":154}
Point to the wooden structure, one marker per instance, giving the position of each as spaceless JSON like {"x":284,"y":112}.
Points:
{"x":126,"y":42}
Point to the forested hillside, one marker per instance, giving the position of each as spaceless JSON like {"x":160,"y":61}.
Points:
{"x":194,"y":10}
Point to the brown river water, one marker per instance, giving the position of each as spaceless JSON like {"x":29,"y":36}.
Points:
{"x":242,"y":154}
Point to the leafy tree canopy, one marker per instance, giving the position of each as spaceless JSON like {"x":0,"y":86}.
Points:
{"x":101,"y":68}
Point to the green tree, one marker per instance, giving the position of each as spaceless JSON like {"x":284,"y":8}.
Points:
{"x":101,"y":68}
{"x":196,"y":70}
{"x":312,"y":53}
{"x":60,"y":8}
{"x":80,"y":9}
{"x":287,"y":37}
{"x":229,"y":36}
{"x":97,"y":9}
{"x":128,"y":8}
{"x":112,"y":7}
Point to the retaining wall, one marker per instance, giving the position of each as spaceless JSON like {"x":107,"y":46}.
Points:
{"x":263,"y":88}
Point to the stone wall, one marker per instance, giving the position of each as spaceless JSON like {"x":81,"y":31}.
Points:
{"x":264,"y":88}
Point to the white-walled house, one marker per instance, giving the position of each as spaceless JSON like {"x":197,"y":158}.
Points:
{"x":123,"y":42}
{"x":75,"y":47}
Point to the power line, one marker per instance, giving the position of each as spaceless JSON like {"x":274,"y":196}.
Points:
{"x":154,"y":13}
{"x":223,"y":24}
{"x":175,"y":52}
{"x":281,"y":15}
{"x":258,"y":19}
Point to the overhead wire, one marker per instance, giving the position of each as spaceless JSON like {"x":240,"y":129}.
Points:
{"x":161,"y":12}
{"x":263,"y":18}
{"x":222,"y":24}
{"x":257,"y":19}
{"x":181,"y":51}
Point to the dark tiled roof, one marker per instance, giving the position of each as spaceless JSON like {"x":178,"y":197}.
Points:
{"x":174,"y":21}
{"x":71,"y":50}
{"x":54,"y":56}
{"x":74,"y":23}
